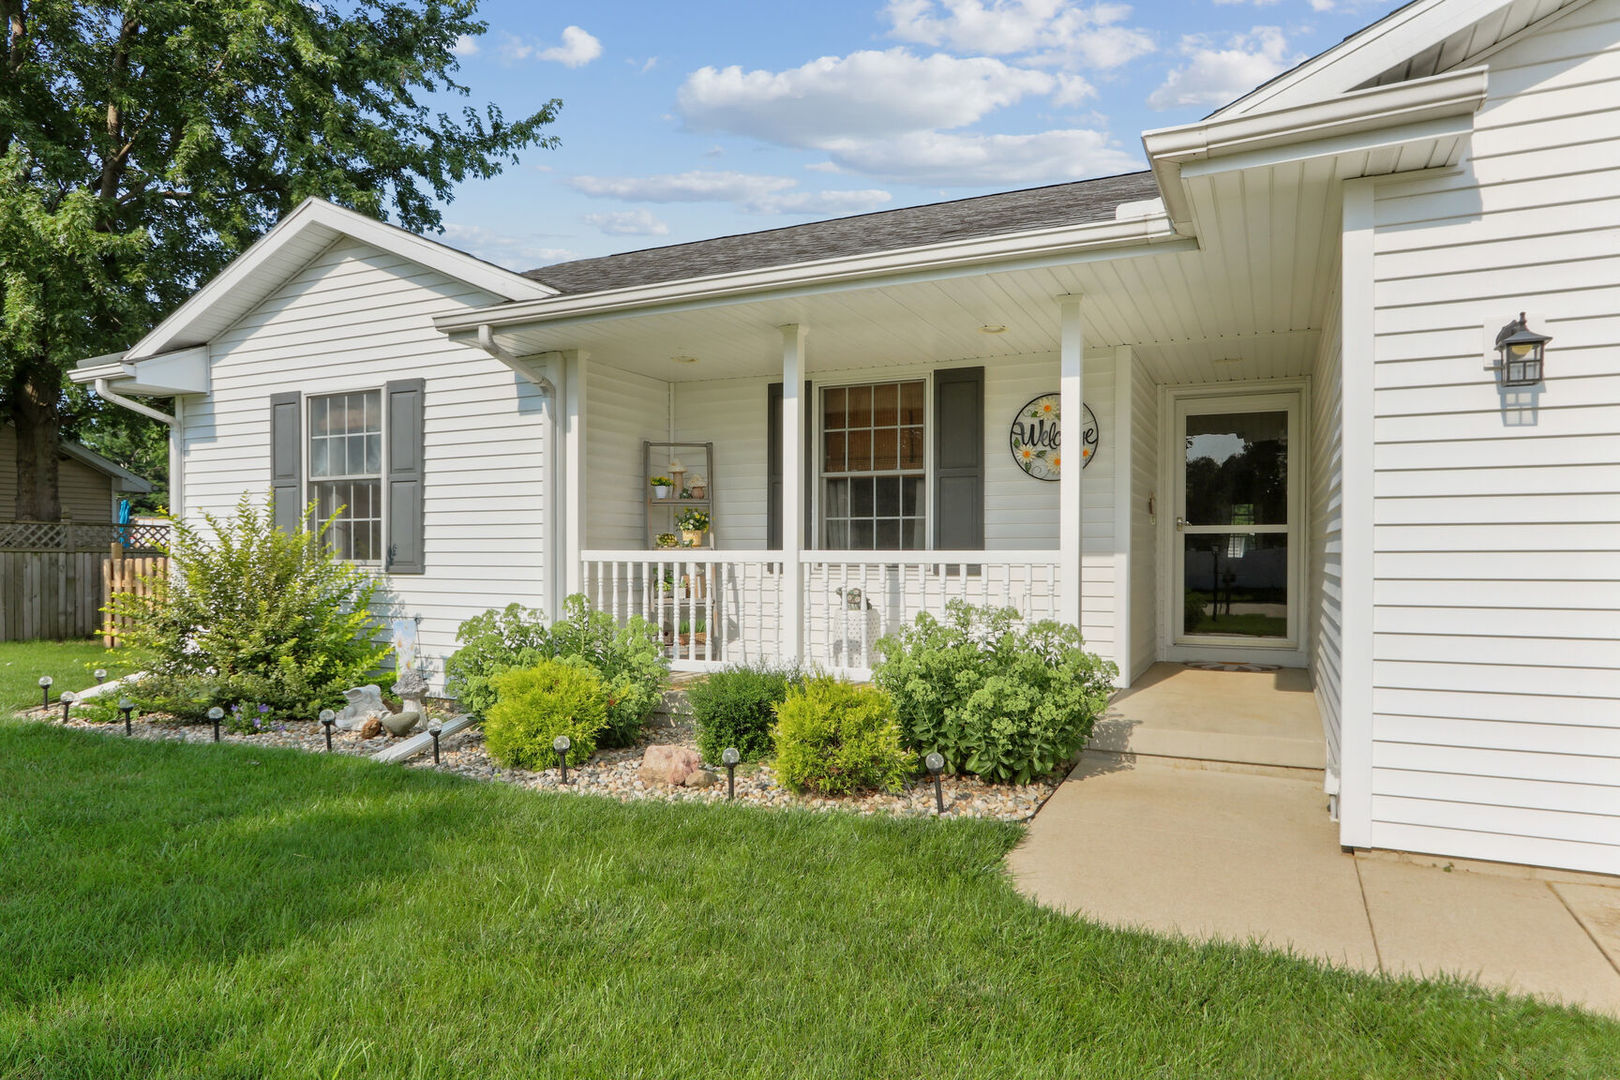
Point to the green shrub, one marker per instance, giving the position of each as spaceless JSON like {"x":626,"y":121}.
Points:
{"x":737,"y":707}
{"x":628,"y":658}
{"x":536,"y":704}
{"x":1009,"y":702}
{"x":248,"y":613}
{"x":835,"y":738}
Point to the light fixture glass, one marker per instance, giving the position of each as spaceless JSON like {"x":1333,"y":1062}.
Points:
{"x":992,"y":328}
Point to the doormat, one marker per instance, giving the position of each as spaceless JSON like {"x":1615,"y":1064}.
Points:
{"x":1216,"y":665}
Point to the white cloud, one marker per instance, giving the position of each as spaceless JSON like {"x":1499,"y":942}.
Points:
{"x":628,"y":223}
{"x":1321,"y":5}
{"x":1043,"y":31}
{"x":1264,"y":3}
{"x":1218,"y":73}
{"x":866,"y":94}
{"x":951,"y":159}
{"x":751,"y":192}
{"x":516,"y":251}
{"x":1072,"y":90}
{"x":466,"y":45}
{"x":577,"y":48}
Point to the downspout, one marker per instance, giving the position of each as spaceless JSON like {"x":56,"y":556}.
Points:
{"x":550,"y":449}
{"x":105,"y":394}
{"x":176,"y":458}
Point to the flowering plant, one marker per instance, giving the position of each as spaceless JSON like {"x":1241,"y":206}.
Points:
{"x":661,"y":481}
{"x":668,"y":540}
{"x":693,"y":520}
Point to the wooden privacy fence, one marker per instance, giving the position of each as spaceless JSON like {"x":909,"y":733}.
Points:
{"x":55,"y":576}
{"x":127,"y":574}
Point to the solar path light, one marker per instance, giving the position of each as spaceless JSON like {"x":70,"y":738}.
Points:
{"x":216,"y":714}
{"x":936,"y":765}
{"x":45,"y":689}
{"x":101,"y":675}
{"x":729,"y":758}
{"x":434,"y":729}
{"x":126,"y":707}
{"x":68,"y":698}
{"x":562,"y":744}
{"x":328,"y":718}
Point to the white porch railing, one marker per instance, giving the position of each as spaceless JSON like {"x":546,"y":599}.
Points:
{"x":722,"y":607}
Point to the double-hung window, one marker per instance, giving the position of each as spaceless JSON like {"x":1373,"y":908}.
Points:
{"x":345,"y":470}
{"x":874,"y":483}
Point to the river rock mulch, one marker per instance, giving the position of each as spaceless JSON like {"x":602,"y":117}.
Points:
{"x":610,"y":773}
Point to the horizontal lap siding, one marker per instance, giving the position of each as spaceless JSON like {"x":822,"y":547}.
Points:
{"x":621,"y":409}
{"x":355,"y":318}
{"x":731,"y":413}
{"x":1144,"y":527}
{"x":1326,"y":518}
{"x":1496,"y":653}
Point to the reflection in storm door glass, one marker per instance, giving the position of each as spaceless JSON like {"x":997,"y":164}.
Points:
{"x":1237,"y":469}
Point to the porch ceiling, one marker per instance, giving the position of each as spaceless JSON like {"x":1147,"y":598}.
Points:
{"x":1245,"y":303}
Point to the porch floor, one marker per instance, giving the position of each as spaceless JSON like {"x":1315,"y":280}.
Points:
{"x":1255,"y":718}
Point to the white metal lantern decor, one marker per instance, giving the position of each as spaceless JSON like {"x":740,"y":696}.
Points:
{"x":1520,"y":354}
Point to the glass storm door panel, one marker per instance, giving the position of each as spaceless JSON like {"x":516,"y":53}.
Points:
{"x":1235,"y":552}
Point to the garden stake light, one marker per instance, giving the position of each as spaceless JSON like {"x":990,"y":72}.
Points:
{"x":935,"y":764}
{"x":45,"y":690}
{"x":729,"y":758}
{"x":562,"y":744}
{"x":216,"y":714}
{"x":126,"y":707}
{"x":433,"y":730}
{"x":101,"y":675}
{"x":328,"y":718}
{"x":68,"y":698}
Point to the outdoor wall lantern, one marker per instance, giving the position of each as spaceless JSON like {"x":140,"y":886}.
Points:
{"x":216,"y":714}
{"x":328,"y":718}
{"x":126,"y":707}
{"x":1520,"y":351}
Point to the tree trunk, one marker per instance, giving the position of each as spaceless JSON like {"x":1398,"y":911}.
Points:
{"x":34,"y":414}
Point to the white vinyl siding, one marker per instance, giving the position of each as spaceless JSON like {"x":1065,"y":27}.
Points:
{"x":1326,"y":516}
{"x":621,"y":410}
{"x":352,"y":319}
{"x":1144,"y":582}
{"x":1496,"y":618}
{"x":731,"y":413}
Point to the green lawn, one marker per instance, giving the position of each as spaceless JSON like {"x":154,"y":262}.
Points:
{"x":70,"y":663}
{"x":202,"y":911}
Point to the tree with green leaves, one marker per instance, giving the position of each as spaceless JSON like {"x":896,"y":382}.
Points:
{"x":145,"y":143}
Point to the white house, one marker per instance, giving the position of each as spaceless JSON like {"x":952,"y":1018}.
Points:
{"x":1270,"y":356}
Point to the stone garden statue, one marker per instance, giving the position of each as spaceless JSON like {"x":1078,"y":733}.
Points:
{"x":365,"y":702}
{"x":411,"y":686}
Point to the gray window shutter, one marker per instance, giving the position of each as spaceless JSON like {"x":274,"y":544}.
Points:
{"x":287,"y":459}
{"x":773,"y":464}
{"x":402,"y":413}
{"x":959,"y":459}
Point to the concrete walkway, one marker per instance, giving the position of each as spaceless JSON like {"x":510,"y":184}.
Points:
{"x":1211,"y":850}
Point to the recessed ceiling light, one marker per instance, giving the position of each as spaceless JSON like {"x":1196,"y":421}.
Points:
{"x":683,"y":359}
{"x":992,"y":328}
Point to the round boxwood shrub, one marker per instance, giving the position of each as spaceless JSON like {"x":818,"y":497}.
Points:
{"x":995,"y":697}
{"x":835,"y":738}
{"x":737,"y":707}
{"x":534,"y":705}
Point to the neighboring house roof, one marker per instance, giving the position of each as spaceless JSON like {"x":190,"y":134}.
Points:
{"x":123,"y":479}
{"x":1077,"y":203}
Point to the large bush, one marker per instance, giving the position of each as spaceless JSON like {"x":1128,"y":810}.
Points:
{"x":536,"y":704}
{"x":737,"y":707}
{"x":248,"y":613}
{"x":835,"y":738}
{"x":996,"y":697}
{"x":628,"y":658}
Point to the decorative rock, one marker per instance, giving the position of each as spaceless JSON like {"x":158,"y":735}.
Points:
{"x":700,"y":778}
{"x":365,"y":702}
{"x":402,"y":722}
{"x":668,"y":765}
{"x":371,"y":728}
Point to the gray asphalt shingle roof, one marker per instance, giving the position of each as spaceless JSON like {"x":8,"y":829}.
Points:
{"x":1077,"y":203}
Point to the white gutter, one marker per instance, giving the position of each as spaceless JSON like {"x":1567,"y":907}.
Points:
{"x":106,"y":394}
{"x":872,"y":268}
{"x":1453,"y":94}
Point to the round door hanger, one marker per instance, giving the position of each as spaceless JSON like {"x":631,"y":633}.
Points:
{"x":1036,"y":437}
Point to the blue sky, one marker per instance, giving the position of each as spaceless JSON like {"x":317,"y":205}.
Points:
{"x":687,"y":121}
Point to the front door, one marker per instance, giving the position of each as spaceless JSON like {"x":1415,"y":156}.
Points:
{"x":1236,"y":544}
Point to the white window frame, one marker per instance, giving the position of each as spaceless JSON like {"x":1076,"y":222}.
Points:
{"x":306,"y":438}
{"x":842,"y":380}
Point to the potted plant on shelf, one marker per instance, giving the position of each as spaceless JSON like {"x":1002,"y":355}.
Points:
{"x":661,"y":486}
{"x":668,"y":540}
{"x":694,"y":632}
{"x":693,"y":523}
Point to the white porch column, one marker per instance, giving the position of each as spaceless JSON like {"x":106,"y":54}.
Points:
{"x":1124,"y":507}
{"x":1071,"y":387}
{"x":575,"y":363}
{"x":792,"y":491}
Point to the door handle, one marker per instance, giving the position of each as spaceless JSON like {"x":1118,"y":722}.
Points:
{"x":1181,"y":523}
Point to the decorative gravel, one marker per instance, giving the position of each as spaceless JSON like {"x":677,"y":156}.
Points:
{"x":612,"y":773}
